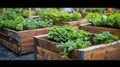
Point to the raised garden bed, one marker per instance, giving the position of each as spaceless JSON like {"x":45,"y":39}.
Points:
{"x":103,"y":22}
{"x":20,"y":42}
{"x":61,"y":18}
{"x":46,"y":50}
{"x":71,"y":23}
{"x":94,"y":29}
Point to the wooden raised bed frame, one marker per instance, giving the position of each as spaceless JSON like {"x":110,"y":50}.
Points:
{"x":20,"y":42}
{"x":46,"y":50}
{"x":94,"y":29}
{"x":71,"y":23}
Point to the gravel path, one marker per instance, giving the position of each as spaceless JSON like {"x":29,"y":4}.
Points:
{"x":6,"y":54}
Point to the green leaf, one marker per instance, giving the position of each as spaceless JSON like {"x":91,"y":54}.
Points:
{"x":105,"y":37}
{"x":19,"y":27}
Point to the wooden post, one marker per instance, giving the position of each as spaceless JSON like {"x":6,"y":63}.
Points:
{"x":51,"y":9}
{"x":59,"y":9}
{"x":77,"y":9}
{"x":21,"y":9}
{"x":29,"y":12}
{"x":3,"y":9}
{"x":37,"y":10}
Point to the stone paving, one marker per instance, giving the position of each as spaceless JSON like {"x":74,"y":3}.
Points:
{"x":6,"y":54}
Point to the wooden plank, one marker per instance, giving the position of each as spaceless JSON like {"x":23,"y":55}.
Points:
{"x":41,"y":31}
{"x":27,"y":49}
{"x":37,"y":16}
{"x":49,"y":45}
{"x":9,"y":39}
{"x":73,"y":54}
{"x":27,"y":34}
{"x":49,"y":55}
{"x":72,"y":23}
{"x":39,"y":57}
{"x":5,"y":43}
{"x":83,"y":21}
{"x":113,"y":51}
{"x":76,"y":28}
{"x":98,"y":54}
{"x":25,"y":40}
{"x":93,"y":29}
{"x":15,"y":48}
{"x":10,"y":33}
{"x":9,"y":45}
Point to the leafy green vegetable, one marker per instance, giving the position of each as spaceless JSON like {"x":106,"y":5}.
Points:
{"x":74,"y":39}
{"x":95,"y":10}
{"x":19,"y":27}
{"x":9,"y":24}
{"x":105,"y":20}
{"x":16,"y":10}
{"x":9,"y":15}
{"x":116,"y":20}
{"x":59,"y":16}
{"x":81,"y":34}
{"x":70,"y":39}
{"x":33,"y":24}
{"x":2,"y":22}
{"x":30,"y":23}
{"x":45,"y":13}
{"x":13,"y":19}
{"x":19,"y":20}
{"x":26,"y":13}
{"x":70,"y":45}
{"x":1,"y":25}
{"x":105,"y":37}
{"x":76,"y":16}
{"x":60,"y":33}
{"x":13,"y":24}
{"x":94,"y":18}
{"x":44,"y":23}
